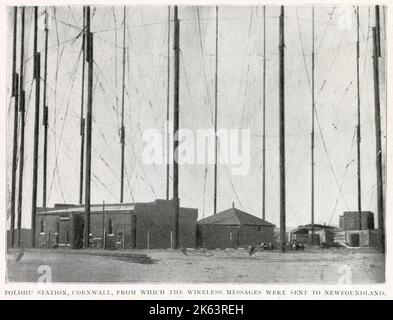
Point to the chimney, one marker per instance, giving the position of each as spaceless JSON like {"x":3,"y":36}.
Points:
{"x":233,"y":204}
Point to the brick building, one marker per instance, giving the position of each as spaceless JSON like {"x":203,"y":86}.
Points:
{"x":358,"y":234}
{"x":233,"y":228}
{"x":128,"y":225}
{"x":350,"y":220}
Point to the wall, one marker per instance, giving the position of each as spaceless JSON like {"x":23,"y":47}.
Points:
{"x":221,"y":236}
{"x":255,"y":235}
{"x":154,"y":223}
{"x":25,"y":238}
{"x":367,"y":238}
{"x":350,"y":220}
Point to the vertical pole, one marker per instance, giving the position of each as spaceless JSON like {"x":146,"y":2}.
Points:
{"x":264,"y":119}
{"x":122,"y":132}
{"x":37,"y":72}
{"x":381,"y":225}
{"x":45,"y":115}
{"x":378,"y":31}
{"x":312,"y":127}
{"x":22,"y":124}
{"x":15,"y":133}
{"x":282,"y":131}
{"x":215,"y":116}
{"x":358,"y":124}
{"x":176,"y":208}
{"x":122,"y":123}
{"x":167,"y":101}
{"x":103,"y":226}
{"x":14,"y":50}
{"x":133,"y":236}
{"x":14,"y":159}
{"x":82,"y":119}
{"x":86,"y":229}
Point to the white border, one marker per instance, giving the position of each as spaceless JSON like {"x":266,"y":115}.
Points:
{"x":387,"y":288}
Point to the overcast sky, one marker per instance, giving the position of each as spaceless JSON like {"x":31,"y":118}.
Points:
{"x":239,"y":105}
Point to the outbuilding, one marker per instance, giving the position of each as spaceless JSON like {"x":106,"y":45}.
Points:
{"x":233,"y":228}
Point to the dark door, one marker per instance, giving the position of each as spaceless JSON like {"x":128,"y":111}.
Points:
{"x":64,"y":232}
{"x":355,"y":240}
{"x":199,"y":236}
{"x":234,"y":237}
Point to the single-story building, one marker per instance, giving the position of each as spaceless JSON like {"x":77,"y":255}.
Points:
{"x":322,"y":234}
{"x":233,"y":228}
{"x":128,"y":225}
{"x":358,"y":230}
{"x":359,"y":238}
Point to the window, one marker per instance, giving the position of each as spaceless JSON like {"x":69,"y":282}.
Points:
{"x":110,"y":227}
{"x":119,"y":237}
{"x":42,"y":226}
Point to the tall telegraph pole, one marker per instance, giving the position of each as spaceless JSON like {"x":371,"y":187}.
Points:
{"x":215,"y":117}
{"x":45,"y":114}
{"x":82,"y":118}
{"x":89,"y":58}
{"x":167,"y":101}
{"x":312,"y":127}
{"x":282,"y":129}
{"x":37,"y":76}
{"x":358,"y":116}
{"x":176,"y":200}
{"x":264,"y":119}
{"x":15,"y":84}
{"x":376,"y":55}
{"x":122,"y":130}
{"x":22,"y":124}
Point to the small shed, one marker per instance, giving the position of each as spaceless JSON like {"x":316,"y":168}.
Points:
{"x":233,"y":228}
{"x":322,"y":234}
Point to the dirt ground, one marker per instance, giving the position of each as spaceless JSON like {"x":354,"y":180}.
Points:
{"x":216,"y":266}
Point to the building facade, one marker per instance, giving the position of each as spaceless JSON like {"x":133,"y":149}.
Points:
{"x":128,"y":226}
{"x":233,"y":228}
{"x":350,"y":220}
{"x":358,"y":230}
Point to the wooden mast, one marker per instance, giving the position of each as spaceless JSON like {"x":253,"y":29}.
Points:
{"x":89,"y":58}
{"x":82,"y":118}
{"x":215,"y":116}
{"x":176,"y":200}
{"x":15,"y":80}
{"x":312,"y":127}
{"x":358,"y":119}
{"x":45,"y":115}
{"x":122,"y":129}
{"x":282,"y":129}
{"x":37,"y":76}
{"x":22,"y":124}
{"x":122,"y":124}
{"x":264,"y":119}
{"x":167,"y":102}
{"x":376,"y":55}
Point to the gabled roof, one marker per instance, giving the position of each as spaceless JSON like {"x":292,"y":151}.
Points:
{"x":234,"y":217}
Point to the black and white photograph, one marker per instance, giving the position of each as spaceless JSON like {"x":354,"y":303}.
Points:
{"x":169,"y":143}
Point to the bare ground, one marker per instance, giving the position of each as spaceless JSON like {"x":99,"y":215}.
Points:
{"x":217,"y":266}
